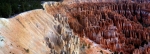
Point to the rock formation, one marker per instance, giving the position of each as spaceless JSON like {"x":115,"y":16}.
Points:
{"x":36,"y":32}
{"x":121,"y":27}
{"x":79,"y":27}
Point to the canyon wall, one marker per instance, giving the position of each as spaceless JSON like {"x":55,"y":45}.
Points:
{"x":36,"y":32}
{"x":122,"y":27}
{"x":79,"y":27}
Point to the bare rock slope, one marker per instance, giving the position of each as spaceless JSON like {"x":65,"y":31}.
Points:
{"x":36,"y":32}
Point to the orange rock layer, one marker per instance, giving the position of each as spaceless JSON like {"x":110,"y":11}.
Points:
{"x":103,"y":26}
{"x":122,"y":27}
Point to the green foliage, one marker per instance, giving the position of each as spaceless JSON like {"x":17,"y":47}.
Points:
{"x":12,"y":7}
{"x":5,"y":9}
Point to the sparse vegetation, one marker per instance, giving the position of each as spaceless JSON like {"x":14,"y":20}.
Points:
{"x":83,"y":45}
{"x":101,"y":51}
{"x":115,"y":52}
{"x":27,"y":50}
{"x":2,"y":40}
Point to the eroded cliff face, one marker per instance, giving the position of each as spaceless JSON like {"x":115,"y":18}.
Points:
{"x":79,"y":27}
{"x":121,"y":27}
{"x":36,"y":32}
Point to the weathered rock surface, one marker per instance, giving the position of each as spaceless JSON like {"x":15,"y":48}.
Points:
{"x":79,"y":27}
{"x":36,"y":32}
{"x":122,"y":27}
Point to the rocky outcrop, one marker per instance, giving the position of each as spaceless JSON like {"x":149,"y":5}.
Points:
{"x":36,"y":32}
{"x":79,"y":27}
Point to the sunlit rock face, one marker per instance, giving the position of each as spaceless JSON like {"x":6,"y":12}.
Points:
{"x":79,"y":27}
{"x":36,"y":32}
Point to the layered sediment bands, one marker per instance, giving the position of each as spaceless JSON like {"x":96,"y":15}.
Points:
{"x":25,"y":33}
{"x":36,"y":32}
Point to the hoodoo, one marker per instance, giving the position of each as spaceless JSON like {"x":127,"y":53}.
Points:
{"x":79,"y":27}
